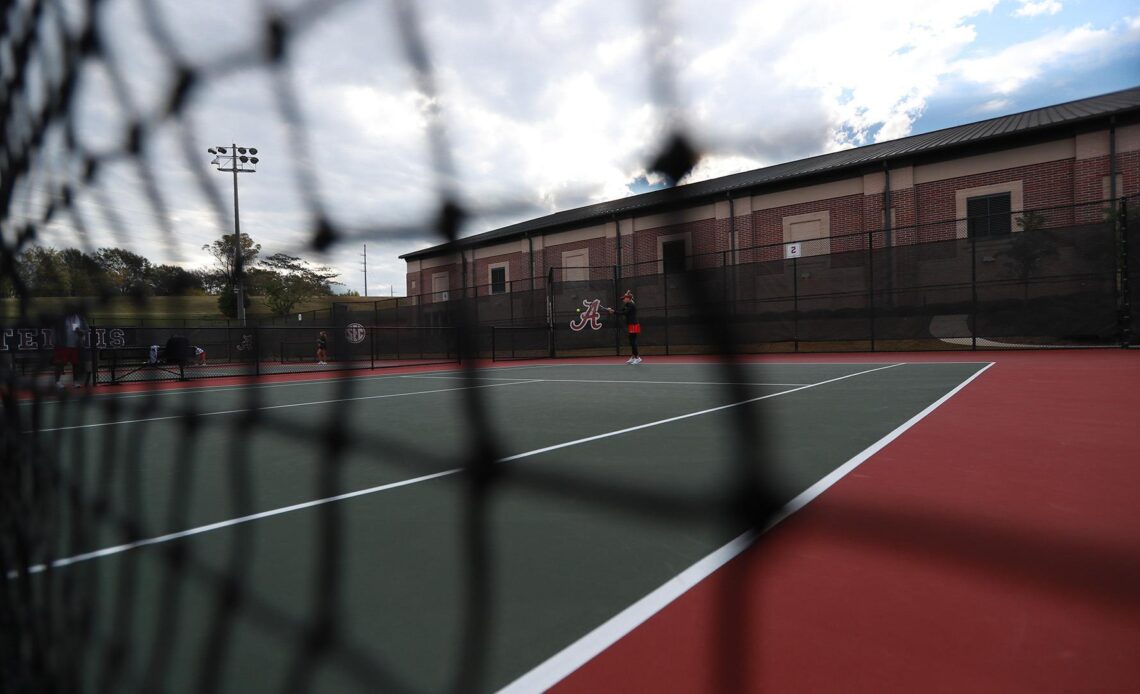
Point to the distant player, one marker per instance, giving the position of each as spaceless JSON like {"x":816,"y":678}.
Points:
{"x":199,"y":356}
{"x":322,"y":348}
{"x":629,"y":312}
{"x":69,"y":337}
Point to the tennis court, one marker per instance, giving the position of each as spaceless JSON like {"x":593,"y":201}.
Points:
{"x":352,"y":499}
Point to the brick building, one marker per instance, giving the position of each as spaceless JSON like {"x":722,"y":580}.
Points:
{"x":977,"y":180}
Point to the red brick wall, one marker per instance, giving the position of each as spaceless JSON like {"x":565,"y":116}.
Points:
{"x":708,"y":237}
{"x":1128,"y":164}
{"x":744,"y":238}
{"x":1089,"y":177}
{"x":846,"y":217}
{"x":1043,"y":185}
{"x":517,"y":270}
{"x":923,"y":213}
{"x":423,"y":279}
{"x":602,"y":253}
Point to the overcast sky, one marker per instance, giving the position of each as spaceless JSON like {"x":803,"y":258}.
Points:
{"x":543,"y":106}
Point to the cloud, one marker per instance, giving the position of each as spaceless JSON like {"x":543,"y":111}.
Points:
{"x":1033,"y":8}
{"x":993,"y":106}
{"x":539,"y":107}
{"x":1012,"y":68}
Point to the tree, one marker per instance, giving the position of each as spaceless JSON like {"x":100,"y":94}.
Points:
{"x":223,"y":252}
{"x":171,"y":280}
{"x":1028,"y":249}
{"x":127,"y":272}
{"x":211,"y":281}
{"x":44,"y":272}
{"x":227,"y":301}
{"x":222,"y":275}
{"x":286,"y":281}
{"x":87,"y":277}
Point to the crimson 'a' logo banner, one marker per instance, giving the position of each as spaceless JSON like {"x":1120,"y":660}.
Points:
{"x":592,"y":316}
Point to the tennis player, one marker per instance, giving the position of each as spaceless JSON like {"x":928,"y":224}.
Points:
{"x":629,"y":312}
{"x":69,"y":335}
{"x":322,"y":348}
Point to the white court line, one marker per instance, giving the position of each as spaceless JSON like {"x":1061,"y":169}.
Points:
{"x":119,"y":549}
{"x":58,"y":563}
{"x":656,"y":364}
{"x":589,"y":380}
{"x":276,"y":407}
{"x":562,"y":664}
{"x":95,"y":395}
{"x":691,"y":414}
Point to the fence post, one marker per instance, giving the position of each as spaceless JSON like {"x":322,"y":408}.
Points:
{"x":614,"y":294}
{"x":795,"y":304}
{"x":973,"y":288}
{"x":871,"y":284}
{"x":550,"y":311}
{"x":1125,"y":277}
{"x":256,"y":351}
{"x":665,"y":294}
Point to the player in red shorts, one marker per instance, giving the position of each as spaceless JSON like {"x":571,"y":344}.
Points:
{"x":69,"y":337}
{"x":629,"y":311}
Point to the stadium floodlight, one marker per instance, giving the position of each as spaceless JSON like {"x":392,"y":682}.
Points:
{"x":229,"y":161}
{"x":253,"y":150}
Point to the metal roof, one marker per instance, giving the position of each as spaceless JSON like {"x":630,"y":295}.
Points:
{"x":995,"y":132}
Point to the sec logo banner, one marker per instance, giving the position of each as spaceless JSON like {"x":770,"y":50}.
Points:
{"x":355,"y":333}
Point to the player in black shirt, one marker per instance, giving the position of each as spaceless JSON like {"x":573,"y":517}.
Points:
{"x":629,"y":312}
{"x":322,"y":348}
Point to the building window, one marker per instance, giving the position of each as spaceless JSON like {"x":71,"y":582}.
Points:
{"x":963,"y":196}
{"x":988,"y":216}
{"x":673,"y":256}
{"x":499,"y":279}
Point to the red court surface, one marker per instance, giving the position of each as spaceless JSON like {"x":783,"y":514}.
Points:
{"x":993,"y":547}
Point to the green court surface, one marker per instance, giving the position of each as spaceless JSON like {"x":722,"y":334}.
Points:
{"x":393,"y":566}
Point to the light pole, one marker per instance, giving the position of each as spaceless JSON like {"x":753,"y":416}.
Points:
{"x":238,"y":160}
{"x":365,"y":254}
